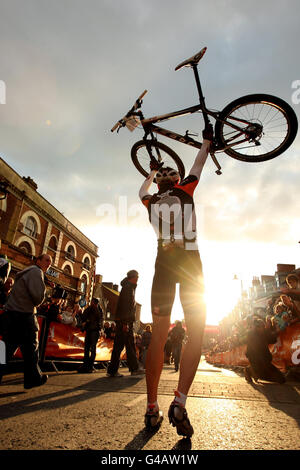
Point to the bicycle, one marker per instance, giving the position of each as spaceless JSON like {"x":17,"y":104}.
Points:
{"x":253,"y":128}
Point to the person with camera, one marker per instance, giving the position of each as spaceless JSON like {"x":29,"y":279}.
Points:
{"x":92,"y":322}
{"x":20,"y":326}
{"x":125,"y":317}
{"x":259,"y":355}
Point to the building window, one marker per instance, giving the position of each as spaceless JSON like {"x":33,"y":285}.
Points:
{"x":30,"y":227}
{"x":70,"y":253}
{"x":86,"y":263}
{"x":53,"y":243}
{"x":84,"y":284}
{"x":67,"y":270}
{"x":24,"y":246}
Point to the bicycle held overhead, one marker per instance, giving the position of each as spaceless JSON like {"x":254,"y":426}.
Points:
{"x":253,"y":128}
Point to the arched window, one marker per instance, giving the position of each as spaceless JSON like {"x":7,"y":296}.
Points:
{"x":24,"y":246}
{"x":70,"y":254}
{"x":86,"y":263}
{"x":84,"y":282}
{"x":67,"y":269}
{"x":30,"y":227}
{"x":53,"y":243}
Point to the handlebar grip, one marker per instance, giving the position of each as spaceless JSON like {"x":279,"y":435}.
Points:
{"x":115,"y":126}
{"x":142,"y":95}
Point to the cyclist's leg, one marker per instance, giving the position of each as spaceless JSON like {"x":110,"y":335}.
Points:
{"x":155,"y":355}
{"x":192,"y":300}
{"x":191,"y":296}
{"x":162,"y":298}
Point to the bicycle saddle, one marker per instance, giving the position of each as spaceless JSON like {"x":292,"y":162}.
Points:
{"x":192,"y":60}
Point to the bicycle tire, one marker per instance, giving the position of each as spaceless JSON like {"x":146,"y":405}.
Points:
{"x":141,"y":160}
{"x":285,"y":127}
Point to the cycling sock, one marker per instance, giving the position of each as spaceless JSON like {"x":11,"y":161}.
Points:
{"x":152,"y":407}
{"x":180,"y":398}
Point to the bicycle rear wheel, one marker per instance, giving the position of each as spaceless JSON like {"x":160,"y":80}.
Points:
{"x":141,"y":159}
{"x":268,"y":127}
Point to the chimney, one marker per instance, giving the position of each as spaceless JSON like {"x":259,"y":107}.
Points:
{"x":30,"y":182}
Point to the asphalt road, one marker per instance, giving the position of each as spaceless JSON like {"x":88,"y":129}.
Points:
{"x":92,"y":412}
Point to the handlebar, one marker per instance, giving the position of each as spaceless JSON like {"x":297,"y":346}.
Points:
{"x":136,"y":105}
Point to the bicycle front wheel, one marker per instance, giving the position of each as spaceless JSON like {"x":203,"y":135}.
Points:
{"x":141,"y":158}
{"x":267,"y":127}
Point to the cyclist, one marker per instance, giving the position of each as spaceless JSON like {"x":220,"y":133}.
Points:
{"x":172,"y":214}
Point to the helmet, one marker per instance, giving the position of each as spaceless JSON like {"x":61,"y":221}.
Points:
{"x":167,"y":175}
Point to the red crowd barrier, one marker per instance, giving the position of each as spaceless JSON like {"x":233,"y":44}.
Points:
{"x":67,"y":342}
{"x":285,"y":352}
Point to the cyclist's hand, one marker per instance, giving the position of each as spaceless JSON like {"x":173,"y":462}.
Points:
{"x":155,"y":165}
{"x":208,"y":132}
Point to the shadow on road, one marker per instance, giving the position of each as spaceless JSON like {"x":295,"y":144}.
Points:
{"x":141,"y":439}
{"x":183,"y":444}
{"x":283,"y":397}
{"x":58,"y":399}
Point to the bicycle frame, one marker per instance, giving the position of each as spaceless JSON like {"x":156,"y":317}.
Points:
{"x":150,"y":128}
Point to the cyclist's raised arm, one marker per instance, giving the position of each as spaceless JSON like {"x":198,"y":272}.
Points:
{"x":201,"y":157}
{"x":144,"y":190}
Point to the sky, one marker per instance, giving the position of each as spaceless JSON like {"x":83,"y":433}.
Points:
{"x":72,"y":68}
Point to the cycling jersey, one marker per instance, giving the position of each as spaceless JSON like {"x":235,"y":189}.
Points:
{"x":172,"y":212}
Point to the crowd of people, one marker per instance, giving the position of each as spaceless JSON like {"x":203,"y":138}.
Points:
{"x":282,"y":310}
{"x":58,"y":308}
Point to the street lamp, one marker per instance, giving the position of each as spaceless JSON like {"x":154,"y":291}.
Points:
{"x":235,"y":278}
{"x":242,"y":303}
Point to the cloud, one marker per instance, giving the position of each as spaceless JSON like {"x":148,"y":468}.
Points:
{"x":81,"y":65}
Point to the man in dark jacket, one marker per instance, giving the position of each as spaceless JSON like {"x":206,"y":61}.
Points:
{"x":20,"y":325}
{"x":92,"y":322}
{"x":259,"y":355}
{"x":177,"y":337}
{"x":125,"y":317}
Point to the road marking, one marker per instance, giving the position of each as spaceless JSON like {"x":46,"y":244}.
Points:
{"x":136,"y":400}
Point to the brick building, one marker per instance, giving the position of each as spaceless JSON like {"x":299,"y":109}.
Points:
{"x":30,"y":226}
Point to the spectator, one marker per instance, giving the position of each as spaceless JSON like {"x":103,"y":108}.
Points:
{"x":106,"y":329}
{"x":52,"y":313}
{"x":138,"y":344}
{"x":177,"y":337}
{"x":292,"y":289}
{"x":5,"y":290}
{"x":77,"y":311}
{"x":68,"y":316}
{"x":113,"y":330}
{"x":92,"y":321}
{"x":125,"y":316}
{"x":20,"y":326}
{"x":168,"y":350}
{"x":146,"y":338}
{"x":289,"y":306}
{"x":109,"y":330}
{"x":5,"y":267}
{"x":259,"y":355}
{"x":281,"y":318}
